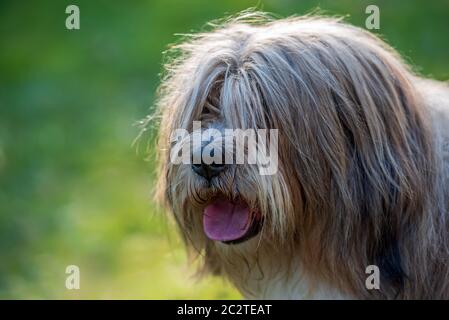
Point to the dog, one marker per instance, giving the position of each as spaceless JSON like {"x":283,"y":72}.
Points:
{"x":363,"y":161}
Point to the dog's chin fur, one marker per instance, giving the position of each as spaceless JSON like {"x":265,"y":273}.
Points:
{"x":363,"y":159}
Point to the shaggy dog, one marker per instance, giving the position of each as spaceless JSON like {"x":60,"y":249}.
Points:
{"x":363,"y":161}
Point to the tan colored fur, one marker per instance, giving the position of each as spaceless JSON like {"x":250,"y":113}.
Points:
{"x":363,"y":158}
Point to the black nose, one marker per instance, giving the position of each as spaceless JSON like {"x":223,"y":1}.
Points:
{"x":208,"y":171}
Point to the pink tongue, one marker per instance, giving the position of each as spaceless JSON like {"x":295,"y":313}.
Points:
{"x":226,"y":221}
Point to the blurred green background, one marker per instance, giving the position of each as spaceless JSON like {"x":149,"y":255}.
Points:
{"x":73,"y":189}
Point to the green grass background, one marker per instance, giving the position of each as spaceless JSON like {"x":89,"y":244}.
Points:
{"x":72,"y":188}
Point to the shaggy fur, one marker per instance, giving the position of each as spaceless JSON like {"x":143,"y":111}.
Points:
{"x":363,"y":159}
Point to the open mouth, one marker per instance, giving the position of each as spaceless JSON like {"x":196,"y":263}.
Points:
{"x":231,"y":222}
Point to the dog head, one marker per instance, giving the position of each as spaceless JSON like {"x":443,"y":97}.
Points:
{"x":352,"y":146}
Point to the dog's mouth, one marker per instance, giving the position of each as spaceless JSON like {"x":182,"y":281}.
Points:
{"x":231,"y":222}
